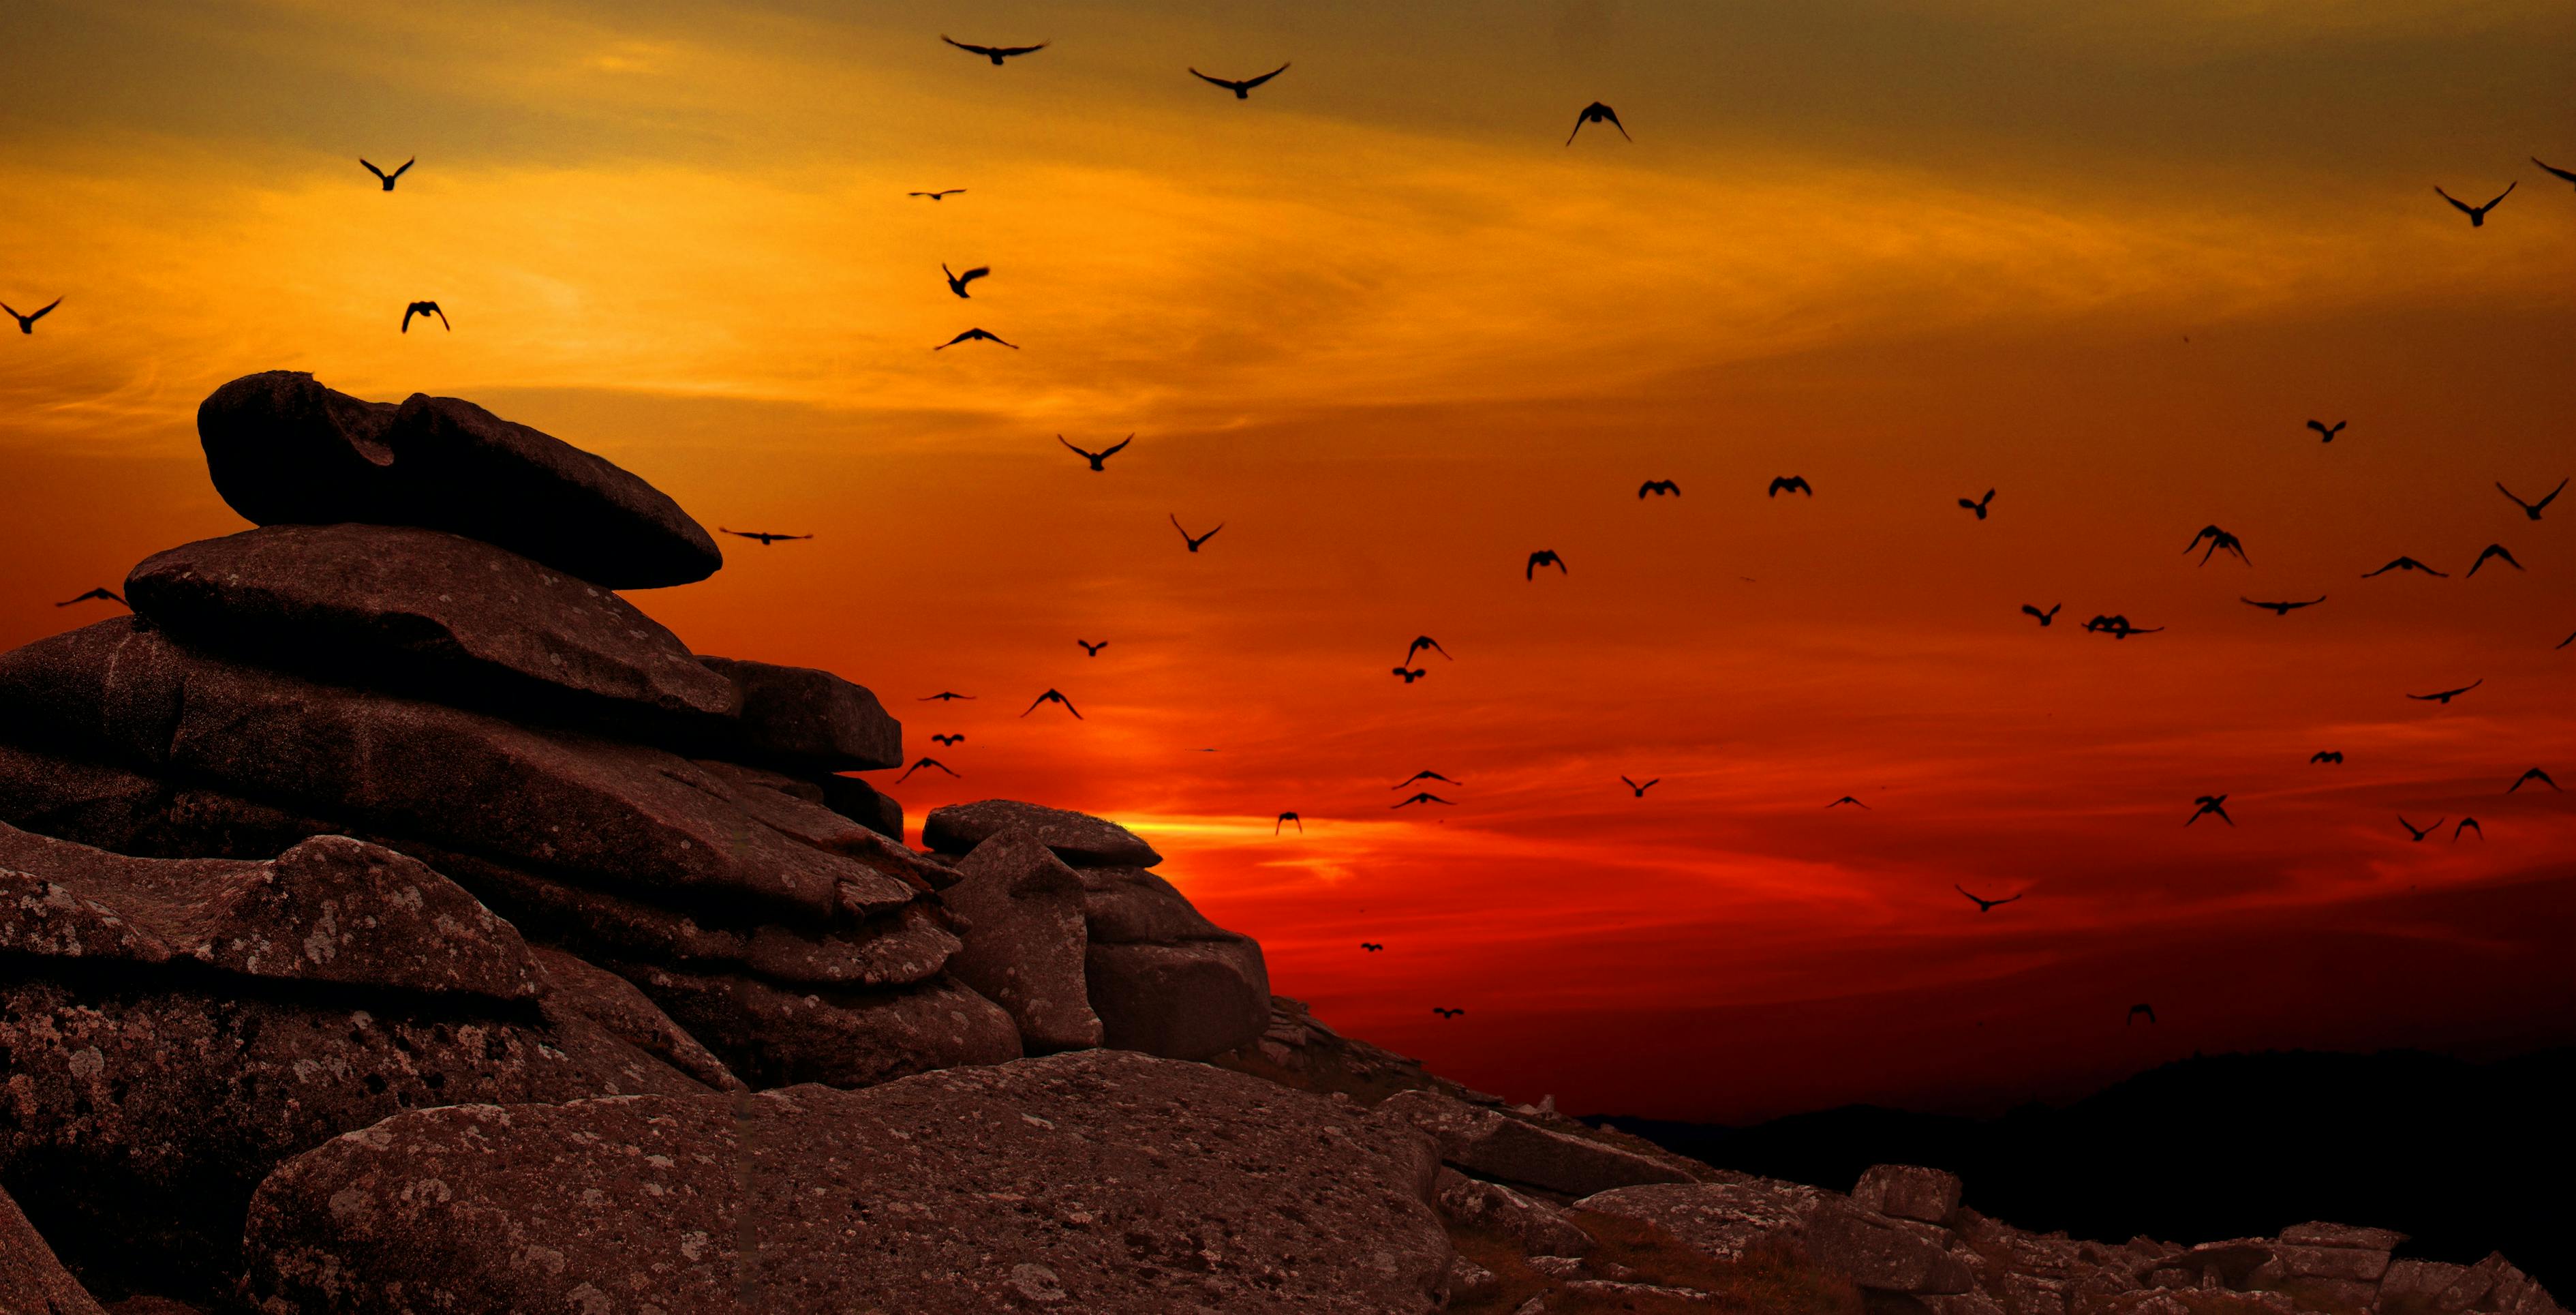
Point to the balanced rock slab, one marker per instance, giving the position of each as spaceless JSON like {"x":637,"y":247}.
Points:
{"x":801,"y":717}
{"x":283,"y":449}
{"x":1194,"y":1000}
{"x":1078,"y":838}
{"x":1495,"y":1145}
{"x":1095,"y":1182}
{"x":331,"y":909}
{"x":425,"y":610}
{"x":1024,"y":941}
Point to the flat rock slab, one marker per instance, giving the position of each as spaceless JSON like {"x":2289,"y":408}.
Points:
{"x":32,"y":1280}
{"x":1908,"y":1191}
{"x":1097,"y":1182}
{"x":284,"y":450}
{"x":331,"y":909}
{"x":138,"y":1115}
{"x":2342,"y":1235}
{"x":1720,"y":1220}
{"x":1194,"y":1000}
{"x":1540,"y":1228}
{"x":1078,"y":838}
{"x":804,"y":718}
{"x":373,"y":604}
{"x":1024,"y":944}
{"x":1495,"y":1145}
{"x":618,"y":813}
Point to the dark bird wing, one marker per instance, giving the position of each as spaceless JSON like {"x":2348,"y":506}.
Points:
{"x":988,"y":51}
{"x":1255,"y":82}
{"x":1094,"y":456}
{"x":2553,"y":496}
{"x":973,"y":274}
{"x":2456,"y":203}
{"x":2508,"y":191}
{"x":48,"y":310}
{"x":379,"y":173}
{"x":1217,"y":82}
{"x":1613,"y":116}
{"x":1113,"y":448}
{"x":406,"y":166}
{"x":2551,"y":168}
{"x":442,"y":323}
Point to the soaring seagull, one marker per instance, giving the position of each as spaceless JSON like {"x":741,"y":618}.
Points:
{"x":1242,"y":90}
{"x":995,"y":53}
{"x":1596,"y":112}
{"x":388,"y":178}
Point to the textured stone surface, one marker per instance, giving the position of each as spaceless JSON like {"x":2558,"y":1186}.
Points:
{"x":805,"y":718}
{"x":1089,"y":1182}
{"x":1876,"y":1251}
{"x":2342,"y":1235}
{"x":775,"y":1037}
{"x":576,"y":986}
{"x":283,"y":449}
{"x":1908,"y":1192}
{"x":861,"y":803}
{"x":32,"y":1281}
{"x":1077,"y":838}
{"x":138,"y":1113}
{"x":331,"y":909}
{"x":1024,"y":945}
{"x":1540,"y":1228}
{"x":1128,"y":905}
{"x":1721,"y":1220}
{"x":1496,"y":1145}
{"x":403,"y":767}
{"x":378,"y":605}
{"x":1186,"y":1001}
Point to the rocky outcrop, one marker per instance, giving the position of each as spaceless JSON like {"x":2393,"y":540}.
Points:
{"x":1162,"y":978}
{"x":802,"y":718}
{"x":284,"y":450}
{"x":1492,"y":1144}
{"x":1722,"y":1220}
{"x":1076,"y":838}
{"x":1540,"y":1228}
{"x":1024,"y":940}
{"x":31,"y":1279}
{"x":1096,"y":1181}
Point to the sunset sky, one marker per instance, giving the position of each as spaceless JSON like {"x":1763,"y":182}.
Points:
{"x":1388,"y":328}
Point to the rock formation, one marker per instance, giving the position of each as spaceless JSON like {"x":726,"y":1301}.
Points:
{"x":393,"y":918}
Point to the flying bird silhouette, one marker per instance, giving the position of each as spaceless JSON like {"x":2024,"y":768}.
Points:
{"x":2326,"y":756}
{"x":1100,"y":459}
{"x":1285,"y":819}
{"x":1979,"y":506}
{"x":1411,"y":674}
{"x":1195,"y":540}
{"x":388,"y":178}
{"x":1543,"y":557}
{"x":2493,"y":550}
{"x":2478,"y":213}
{"x":2219,"y":541}
{"x":2211,"y":805}
{"x":2328,"y":433}
{"x":2420,"y":833}
{"x":1447,"y":1013}
{"x":1639,"y":789}
{"x":945,"y":192}
{"x":957,"y":282}
{"x":1053,"y":697}
{"x":2532,"y":509}
{"x":2281,"y":609}
{"x":2535,"y":774}
{"x":1658,"y":487}
{"x":1242,"y":90}
{"x":1596,"y":112}
{"x":944,"y":697}
{"x":102,"y":592}
{"x":1791,"y":484}
{"x":1371,"y":946}
{"x":995,"y":53}
{"x":425,"y":309}
{"x":27,"y":323}
{"x":1984,"y":905}
{"x":1424,"y":775}
{"x":2135,"y":1010}
{"x":1847,"y":799}
{"x":2570,"y":639}
{"x":1421,"y":642}
{"x":766,"y":538}
{"x":2467,"y":824}
{"x":2554,"y":169}
{"x":1090,"y":649}
{"x":2047,"y":618}
{"x":917,"y":766}
{"x":2117,"y":626}
{"x":947,"y":740}
{"x":2407,"y":564}
{"x":1425,"y":797}
{"x":2447,"y":695}
{"x":972,"y":335}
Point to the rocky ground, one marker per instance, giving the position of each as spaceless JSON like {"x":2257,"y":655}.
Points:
{"x":392,"y":918}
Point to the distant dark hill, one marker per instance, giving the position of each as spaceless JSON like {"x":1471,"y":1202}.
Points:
{"x":2465,"y":1158}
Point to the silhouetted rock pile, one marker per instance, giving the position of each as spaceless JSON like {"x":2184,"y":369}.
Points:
{"x":392,"y":918}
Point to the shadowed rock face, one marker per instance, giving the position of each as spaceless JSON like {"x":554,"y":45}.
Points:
{"x":427,"y":608}
{"x":775,"y":1037}
{"x":1091,"y":1182}
{"x":31,"y":1279}
{"x":1024,"y":940}
{"x":283,"y":449}
{"x":1077,"y":838}
{"x":800,"y":717}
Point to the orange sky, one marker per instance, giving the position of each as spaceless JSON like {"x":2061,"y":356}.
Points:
{"x":1388,"y":328}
